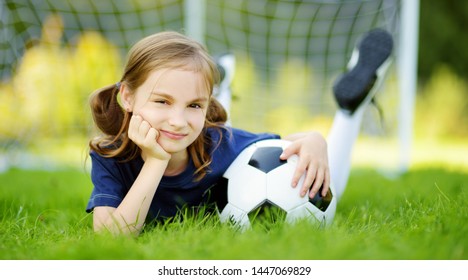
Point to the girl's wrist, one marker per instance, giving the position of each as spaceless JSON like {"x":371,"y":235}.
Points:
{"x":160,"y":157}
{"x":154,"y":161}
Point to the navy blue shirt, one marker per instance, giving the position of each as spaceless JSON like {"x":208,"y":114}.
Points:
{"x":112,"y":178}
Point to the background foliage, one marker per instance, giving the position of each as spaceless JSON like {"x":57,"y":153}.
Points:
{"x":442,"y":37}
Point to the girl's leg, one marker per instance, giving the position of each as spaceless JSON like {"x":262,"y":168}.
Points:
{"x":344,"y":132}
{"x":353,"y":91}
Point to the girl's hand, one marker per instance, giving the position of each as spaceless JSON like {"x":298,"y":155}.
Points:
{"x":145,"y":137}
{"x":313,"y":162}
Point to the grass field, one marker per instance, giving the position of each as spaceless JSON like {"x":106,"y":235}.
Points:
{"x":420,"y":215}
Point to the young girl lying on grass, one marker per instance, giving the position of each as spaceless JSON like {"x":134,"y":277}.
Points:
{"x":165,"y":144}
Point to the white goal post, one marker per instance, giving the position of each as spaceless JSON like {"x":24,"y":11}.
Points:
{"x":407,"y":75}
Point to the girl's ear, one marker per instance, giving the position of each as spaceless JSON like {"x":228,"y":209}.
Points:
{"x":126,"y":97}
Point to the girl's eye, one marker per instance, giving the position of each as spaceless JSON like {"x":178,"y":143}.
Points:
{"x":160,"y":101}
{"x":195,"y":106}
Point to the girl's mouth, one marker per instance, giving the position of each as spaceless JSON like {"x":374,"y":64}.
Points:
{"x":173,"y":135}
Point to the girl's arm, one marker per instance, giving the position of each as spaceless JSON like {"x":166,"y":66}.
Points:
{"x":130,"y":215}
{"x":311,"y":147}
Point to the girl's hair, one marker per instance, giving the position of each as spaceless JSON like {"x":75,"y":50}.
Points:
{"x":165,"y":50}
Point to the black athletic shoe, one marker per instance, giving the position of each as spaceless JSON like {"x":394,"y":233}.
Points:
{"x":367,"y":67}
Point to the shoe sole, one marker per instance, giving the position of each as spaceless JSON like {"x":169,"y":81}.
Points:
{"x":352,"y":88}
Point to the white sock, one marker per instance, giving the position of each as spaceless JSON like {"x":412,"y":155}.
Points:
{"x":344,"y":132}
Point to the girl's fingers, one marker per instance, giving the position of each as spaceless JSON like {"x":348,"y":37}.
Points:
{"x":133,"y":126}
{"x":288,"y":151}
{"x":312,"y":164}
{"x":318,"y":182}
{"x":309,"y":178}
{"x":301,"y":168}
{"x":152,"y":135}
{"x":139,"y":129}
{"x":143,"y":129}
{"x":326,"y":183}
{"x":145,"y":137}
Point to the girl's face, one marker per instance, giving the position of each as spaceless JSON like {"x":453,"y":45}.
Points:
{"x":174,"y":102}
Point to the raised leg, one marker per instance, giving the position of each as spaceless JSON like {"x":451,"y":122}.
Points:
{"x":353,"y":91}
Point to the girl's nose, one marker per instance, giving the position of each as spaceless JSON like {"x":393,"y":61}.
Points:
{"x":177,"y":118}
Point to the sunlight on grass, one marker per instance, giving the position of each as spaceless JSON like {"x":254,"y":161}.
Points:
{"x":381,"y":153}
{"x":372,"y":152}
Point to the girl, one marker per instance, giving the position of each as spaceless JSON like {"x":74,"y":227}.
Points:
{"x":165,"y":144}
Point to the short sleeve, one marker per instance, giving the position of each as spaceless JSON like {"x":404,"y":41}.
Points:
{"x":109,"y":189}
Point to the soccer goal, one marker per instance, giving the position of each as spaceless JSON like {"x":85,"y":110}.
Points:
{"x":287,"y":55}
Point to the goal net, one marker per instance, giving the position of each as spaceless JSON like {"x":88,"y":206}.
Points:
{"x":54,"y":53}
{"x":289,"y":54}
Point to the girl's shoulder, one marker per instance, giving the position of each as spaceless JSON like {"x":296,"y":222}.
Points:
{"x":225,"y":132}
{"x":235,"y":138}
{"x":113,"y":162}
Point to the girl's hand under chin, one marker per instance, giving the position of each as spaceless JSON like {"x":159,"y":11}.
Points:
{"x":145,"y":137}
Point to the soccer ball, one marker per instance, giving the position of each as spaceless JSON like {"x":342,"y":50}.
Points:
{"x":258,"y":177}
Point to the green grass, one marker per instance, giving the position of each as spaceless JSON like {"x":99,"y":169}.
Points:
{"x":420,"y":215}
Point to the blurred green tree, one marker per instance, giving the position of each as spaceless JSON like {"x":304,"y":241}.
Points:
{"x":442,"y":38}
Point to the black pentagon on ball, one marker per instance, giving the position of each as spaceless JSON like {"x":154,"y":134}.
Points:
{"x":322,"y":202}
{"x":217,"y":194}
{"x":267,"y":212}
{"x":267,"y":158}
